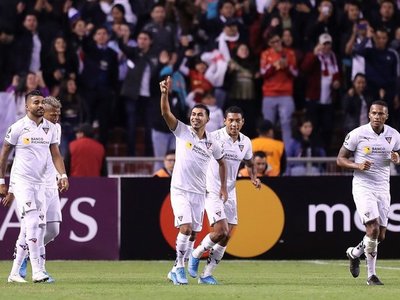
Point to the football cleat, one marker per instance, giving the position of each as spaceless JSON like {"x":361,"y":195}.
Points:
{"x":354,"y":263}
{"x":181,"y":276}
{"x":16,"y":278}
{"x":24,"y":265}
{"x":207,"y":280}
{"x":40,"y":277}
{"x":172,"y":277}
{"x":50,"y":279}
{"x":374,"y":280}
{"x":193,"y":266}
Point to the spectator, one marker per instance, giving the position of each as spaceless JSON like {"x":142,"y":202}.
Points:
{"x":241,"y":87}
{"x":273,"y":149}
{"x":260,"y":163}
{"x":27,"y":47}
{"x":140,"y":89}
{"x":381,"y":67}
{"x":21,"y":85}
{"x":86,"y":156}
{"x":99,"y":80}
{"x":59,"y":64}
{"x":163,"y":33}
{"x":321,"y":72}
{"x":305,"y":144}
{"x":356,"y":104}
{"x":278,"y":68}
{"x":386,"y":17}
{"x":169,"y":162}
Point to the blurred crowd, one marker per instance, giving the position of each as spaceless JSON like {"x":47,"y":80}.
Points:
{"x":309,"y":67}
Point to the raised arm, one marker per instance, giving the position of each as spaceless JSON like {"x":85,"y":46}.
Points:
{"x":168,"y":116}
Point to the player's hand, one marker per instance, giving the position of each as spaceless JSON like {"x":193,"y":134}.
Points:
{"x":394,"y":157}
{"x":164,"y":85}
{"x":3,"y":190}
{"x":63,"y":184}
{"x":257,"y":183}
{"x":223,"y":194}
{"x":8,"y":199}
{"x":366,"y":165}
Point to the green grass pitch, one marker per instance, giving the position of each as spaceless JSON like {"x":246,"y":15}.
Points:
{"x":239,"y":279}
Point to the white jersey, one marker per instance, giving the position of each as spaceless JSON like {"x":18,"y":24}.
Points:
{"x":32,"y":144}
{"x":234,"y":153}
{"x":51,"y":172}
{"x":192,"y":158}
{"x":367,"y":145}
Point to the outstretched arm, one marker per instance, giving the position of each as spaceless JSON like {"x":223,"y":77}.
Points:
{"x":168,"y":116}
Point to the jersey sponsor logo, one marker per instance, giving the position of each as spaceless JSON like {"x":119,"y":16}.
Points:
{"x":46,"y":129}
{"x":366,"y":138}
{"x":26,"y":141}
{"x":241,"y":147}
{"x":189,"y":145}
{"x":367,"y":150}
{"x":388,"y":139}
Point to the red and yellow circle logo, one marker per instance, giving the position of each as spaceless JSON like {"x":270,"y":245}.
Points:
{"x":261,"y":221}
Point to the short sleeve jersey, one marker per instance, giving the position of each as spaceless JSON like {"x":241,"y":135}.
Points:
{"x":234,"y":153}
{"x":32,"y":144}
{"x":51,"y":172}
{"x":192,"y":158}
{"x":368,"y":145}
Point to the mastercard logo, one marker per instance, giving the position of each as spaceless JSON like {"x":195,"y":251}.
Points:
{"x":261,"y":221}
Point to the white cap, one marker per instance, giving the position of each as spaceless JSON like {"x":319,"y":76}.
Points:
{"x":325,"y":38}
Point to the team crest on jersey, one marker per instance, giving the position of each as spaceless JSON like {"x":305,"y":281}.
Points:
{"x":26,"y":141}
{"x":388,"y":139}
{"x":241,"y":147}
{"x":367,"y":149}
{"x":208,"y":145}
{"x":189,"y":145}
{"x":46,"y":129}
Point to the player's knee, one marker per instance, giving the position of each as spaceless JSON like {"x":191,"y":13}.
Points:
{"x":186,"y":230}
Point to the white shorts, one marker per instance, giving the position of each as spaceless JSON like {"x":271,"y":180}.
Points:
{"x":188,"y":208}
{"x":53,"y":213}
{"x":372,"y":205}
{"x":218,"y":210}
{"x":30,"y":197}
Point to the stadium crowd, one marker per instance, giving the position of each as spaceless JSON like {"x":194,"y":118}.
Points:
{"x":287,"y":61}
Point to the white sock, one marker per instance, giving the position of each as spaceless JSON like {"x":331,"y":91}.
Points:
{"x":52,"y":231}
{"x":32,"y":238}
{"x":189,"y":251}
{"x":205,"y":245}
{"x":42,"y":248}
{"x":182,"y":241}
{"x":358,"y":250}
{"x":21,"y":249}
{"x":371,"y":255}
{"x":216,"y":254}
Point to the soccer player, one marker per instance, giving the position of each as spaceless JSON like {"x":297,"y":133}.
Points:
{"x":32,"y":137}
{"x":223,"y":215}
{"x":52,"y":112}
{"x":374,"y":146}
{"x":195,"y":148}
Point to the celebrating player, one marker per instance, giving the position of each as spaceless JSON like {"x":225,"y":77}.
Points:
{"x":195,"y":148}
